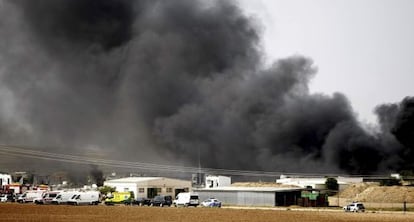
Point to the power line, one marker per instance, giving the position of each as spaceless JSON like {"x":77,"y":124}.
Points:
{"x":27,"y":152}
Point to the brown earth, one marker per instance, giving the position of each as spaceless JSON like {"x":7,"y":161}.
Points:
{"x":31,"y":212}
{"x":372,"y":192}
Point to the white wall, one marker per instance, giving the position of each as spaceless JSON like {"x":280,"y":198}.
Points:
{"x":5,"y":179}
{"x":217,"y":181}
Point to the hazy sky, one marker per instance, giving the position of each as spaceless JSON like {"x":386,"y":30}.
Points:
{"x":362,"y":48}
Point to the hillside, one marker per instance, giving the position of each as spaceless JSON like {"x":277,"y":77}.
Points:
{"x":372,"y":192}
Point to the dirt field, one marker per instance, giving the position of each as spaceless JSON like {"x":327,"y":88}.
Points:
{"x":30,"y":212}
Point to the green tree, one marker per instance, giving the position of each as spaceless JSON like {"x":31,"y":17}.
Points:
{"x":106,"y":189}
{"x":390,"y":182}
{"x":331,"y":184}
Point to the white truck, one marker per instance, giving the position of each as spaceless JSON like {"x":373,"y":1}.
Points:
{"x":30,"y":196}
{"x":186,"y":199}
{"x":85,"y":198}
{"x":63,"y":197}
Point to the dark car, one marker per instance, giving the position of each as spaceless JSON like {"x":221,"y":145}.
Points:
{"x":7,"y":197}
{"x":142,"y":201}
{"x":161,"y":201}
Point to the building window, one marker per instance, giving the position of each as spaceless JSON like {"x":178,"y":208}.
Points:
{"x":158,"y":190}
{"x":141,"y":190}
{"x":169,"y":190}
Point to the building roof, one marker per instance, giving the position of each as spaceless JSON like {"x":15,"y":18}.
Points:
{"x":251,"y":189}
{"x":133,"y":179}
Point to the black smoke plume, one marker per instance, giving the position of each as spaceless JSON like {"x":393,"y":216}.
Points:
{"x":97,"y":176}
{"x":162,"y":81}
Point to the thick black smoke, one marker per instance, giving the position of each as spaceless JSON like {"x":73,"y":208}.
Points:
{"x":162,"y":81}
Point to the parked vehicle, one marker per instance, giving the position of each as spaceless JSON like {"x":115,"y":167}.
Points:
{"x":47,"y":197}
{"x":63,"y":197}
{"x":161,"y":201}
{"x":354,"y":207}
{"x":120,"y":198}
{"x":142,"y":201}
{"x":187,"y":199}
{"x":211,"y":202}
{"x":85,"y":198}
{"x":30,"y":196}
{"x":7,"y":197}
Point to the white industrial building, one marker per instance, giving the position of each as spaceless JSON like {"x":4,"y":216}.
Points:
{"x":5,"y":179}
{"x":252,"y":196}
{"x":149,"y":187}
{"x":317,"y":182}
{"x":217,"y":181}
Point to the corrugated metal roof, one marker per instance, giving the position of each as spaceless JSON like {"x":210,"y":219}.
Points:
{"x":252,"y":189}
{"x":134,"y":179}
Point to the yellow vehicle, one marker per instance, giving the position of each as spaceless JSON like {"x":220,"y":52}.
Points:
{"x":120,"y":198}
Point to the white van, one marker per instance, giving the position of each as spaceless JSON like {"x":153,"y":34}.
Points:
{"x":85,"y":198}
{"x":46,"y":198}
{"x":63,"y":197}
{"x":187,"y":199}
{"x":30,"y":196}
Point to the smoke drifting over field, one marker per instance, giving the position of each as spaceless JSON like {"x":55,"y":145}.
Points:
{"x":164,"y":80}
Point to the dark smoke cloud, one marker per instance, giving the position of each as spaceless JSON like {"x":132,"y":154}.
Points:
{"x":162,"y":81}
{"x":62,"y":24}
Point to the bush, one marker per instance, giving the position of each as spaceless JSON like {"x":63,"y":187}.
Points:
{"x":331,"y":184}
{"x":390,"y":182}
{"x":106,"y":189}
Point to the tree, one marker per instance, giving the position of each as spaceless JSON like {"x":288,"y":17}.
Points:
{"x":106,"y":189}
{"x":390,"y":182}
{"x":331,"y":184}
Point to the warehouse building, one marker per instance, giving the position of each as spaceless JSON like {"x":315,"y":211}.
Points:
{"x":317,"y":182}
{"x":149,"y":187}
{"x":253,"y":196}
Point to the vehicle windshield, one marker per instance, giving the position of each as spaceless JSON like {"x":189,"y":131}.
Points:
{"x":158,"y":198}
{"x":58,"y":196}
{"x":194,"y":197}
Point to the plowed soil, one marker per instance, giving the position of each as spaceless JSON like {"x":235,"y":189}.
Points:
{"x":31,"y":212}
